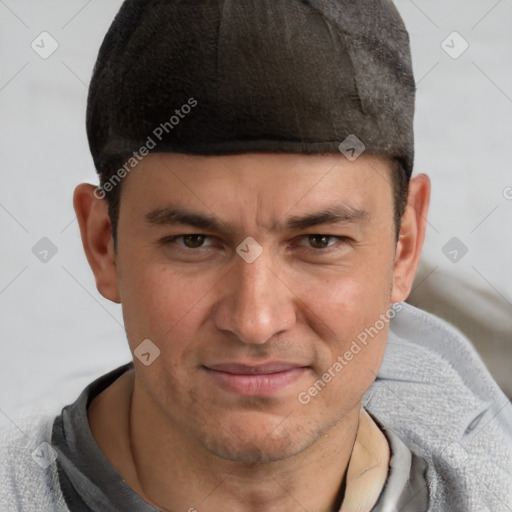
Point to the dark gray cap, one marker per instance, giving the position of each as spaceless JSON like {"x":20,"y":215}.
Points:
{"x":218,"y":77}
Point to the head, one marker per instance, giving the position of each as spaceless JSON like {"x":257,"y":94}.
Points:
{"x":274,"y":248}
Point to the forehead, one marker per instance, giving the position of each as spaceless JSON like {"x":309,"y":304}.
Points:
{"x":273,"y":192}
{"x":259,"y":183}
{"x":265,"y":169}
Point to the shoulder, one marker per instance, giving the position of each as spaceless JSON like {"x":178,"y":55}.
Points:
{"x":434,"y":391}
{"x":28,"y":474}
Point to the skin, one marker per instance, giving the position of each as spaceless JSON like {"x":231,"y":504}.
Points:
{"x":303,"y":300}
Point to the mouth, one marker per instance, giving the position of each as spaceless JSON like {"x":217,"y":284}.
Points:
{"x":258,"y":380}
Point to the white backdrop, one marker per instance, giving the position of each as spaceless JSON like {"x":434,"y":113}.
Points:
{"x":57,"y":333}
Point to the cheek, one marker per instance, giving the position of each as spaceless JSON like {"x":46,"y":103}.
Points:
{"x":346,"y":301}
{"x":161,"y":304}
{"x":167,"y":308}
{"x":351,"y":313}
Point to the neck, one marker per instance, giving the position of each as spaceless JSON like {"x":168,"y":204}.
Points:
{"x":172,"y":471}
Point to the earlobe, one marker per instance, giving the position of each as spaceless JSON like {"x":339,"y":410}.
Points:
{"x":96,"y":233}
{"x":411,"y":238}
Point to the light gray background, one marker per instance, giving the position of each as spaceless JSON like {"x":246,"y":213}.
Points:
{"x":57,"y":333}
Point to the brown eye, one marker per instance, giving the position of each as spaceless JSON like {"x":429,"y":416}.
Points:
{"x":323,"y":243}
{"x":319,"y":241}
{"x":189,"y":241}
{"x":193,"y":241}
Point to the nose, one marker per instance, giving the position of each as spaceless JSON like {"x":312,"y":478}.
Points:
{"x":256,"y":304}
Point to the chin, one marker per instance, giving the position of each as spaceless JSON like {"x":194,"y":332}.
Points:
{"x":256,"y":442}
{"x":253,"y":451}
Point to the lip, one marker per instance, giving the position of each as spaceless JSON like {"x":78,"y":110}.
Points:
{"x":255,"y":380}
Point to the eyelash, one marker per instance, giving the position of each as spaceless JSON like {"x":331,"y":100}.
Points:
{"x":342,"y":240}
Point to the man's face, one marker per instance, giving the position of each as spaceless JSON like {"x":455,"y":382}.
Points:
{"x":243,"y":336}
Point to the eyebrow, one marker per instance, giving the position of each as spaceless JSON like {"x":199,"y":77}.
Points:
{"x":338,"y":214}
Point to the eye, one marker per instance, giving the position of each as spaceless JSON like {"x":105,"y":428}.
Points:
{"x":322,"y":241}
{"x":189,"y":241}
{"x":316,"y":242}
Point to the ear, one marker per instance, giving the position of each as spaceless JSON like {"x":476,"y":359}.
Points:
{"x":412,"y":236}
{"x":96,"y":232}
